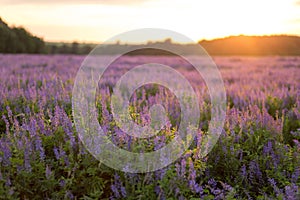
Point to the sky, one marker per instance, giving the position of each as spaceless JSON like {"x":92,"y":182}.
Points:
{"x":99,"y":20}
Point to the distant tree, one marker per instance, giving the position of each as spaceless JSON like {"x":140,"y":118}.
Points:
{"x":75,"y":48}
{"x":18,"y":40}
{"x":168,"y":41}
{"x":86,"y":49}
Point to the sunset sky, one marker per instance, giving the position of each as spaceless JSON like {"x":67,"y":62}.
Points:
{"x":98,"y":20}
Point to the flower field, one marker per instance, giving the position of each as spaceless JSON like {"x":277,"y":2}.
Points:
{"x":256,"y":157}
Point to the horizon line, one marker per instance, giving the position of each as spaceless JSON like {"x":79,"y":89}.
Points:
{"x":163,"y":40}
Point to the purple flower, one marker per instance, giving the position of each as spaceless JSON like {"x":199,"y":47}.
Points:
{"x":295,"y":175}
{"x":62,"y":183}
{"x":157,"y":190}
{"x":48,"y":172}
{"x":292,"y":192}
{"x":118,"y":188}
{"x":226,"y":186}
{"x":192,"y":171}
{"x":216,"y":191}
{"x":39,"y":147}
{"x":56,"y":153}
{"x":4,"y":147}
{"x":6,"y":124}
{"x":41,"y":126}
{"x":254,"y":172}
{"x":69,"y":195}
{"x":158,"y":143}
{"x":27,"y":110}
{"x":32,"y":127}
{"x":10,"y":115}
{"x":212,"y":182}
{"x":129,"y":142}
{"x":123,"y":191}
{"x":183,"y":167}
{"x":8,"y":182}
{"x":27,"y":158}
{"x":274,"y":185}
{"x":178,"y":169}
{"x":70,"y":134}
{"x":159,"y":174}
{"x":181,"y":197}
{"x":268,"y":148}
{"x":297,"y":143}
{"x":195,"y":186}
{"x":244,"y":172}
{"x":115,"y":190}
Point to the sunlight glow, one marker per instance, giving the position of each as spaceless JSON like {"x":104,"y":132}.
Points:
{"x":197,"y":19}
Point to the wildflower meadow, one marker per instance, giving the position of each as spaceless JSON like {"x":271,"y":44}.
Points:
{"x":257,"y":155}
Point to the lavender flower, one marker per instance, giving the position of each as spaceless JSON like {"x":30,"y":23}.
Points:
{"x":254,"y":172}
{"x":267,"y":148}
{"x":6,"y":124}
{"x":212,"y":183}
{"x":117,"y":187}
{"x":69,"y":195}
{"x":274,"y":185}
{"x":56,"y":153}
{"x":48,"y":172}
{"x":27,"y":158}
{"x":4,"y":146}
{"x":292,"y":192}
{"x":39,"y":147}
{"x":62,"y":183}
{"x":295,"y":175}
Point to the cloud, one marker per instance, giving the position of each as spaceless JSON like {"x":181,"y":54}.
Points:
{"x":68,"y":2}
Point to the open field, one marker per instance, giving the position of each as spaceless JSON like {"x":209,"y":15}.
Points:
{"x":256,"y":157}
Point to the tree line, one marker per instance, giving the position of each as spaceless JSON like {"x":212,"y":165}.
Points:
{"x":19,"y":40}
{"x":69,"y":48}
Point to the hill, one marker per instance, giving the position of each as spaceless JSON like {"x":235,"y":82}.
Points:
{"x":254,"y":45}
{"x":282,"y":45}
{"x":18,"y":40}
